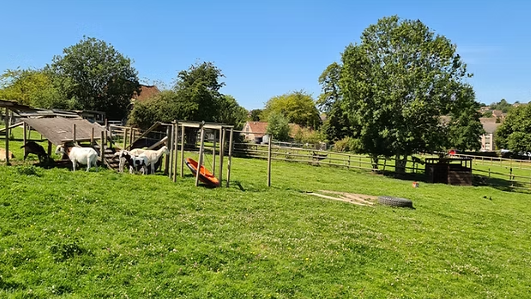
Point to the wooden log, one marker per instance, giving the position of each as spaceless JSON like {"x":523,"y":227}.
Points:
{"x":92,"y":136}
{"x":200,"y":160}
{"x":49,"y":148}
{"x":230,"y":156}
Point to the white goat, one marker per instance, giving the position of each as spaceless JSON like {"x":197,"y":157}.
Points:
{"x":82,"y":155}
{"x":152,"y":155}
{"x":135,"y":162}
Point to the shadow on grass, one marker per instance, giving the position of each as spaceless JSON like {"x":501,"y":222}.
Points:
{"x":500,"y":184}
{"x":412,"y":177}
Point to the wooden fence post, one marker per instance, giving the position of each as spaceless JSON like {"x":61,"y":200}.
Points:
{"x":74,"y":133}
{"x":230,"y":157}
{"x":25,"y":131}
{"x":200,"y":160}
{"x":167,"y":160}
{"x":182,"y":151}
{"x":7,"y":136}
{"x":269,"y":161}
{"x":221,"y":152}
{"x":102,"y":146}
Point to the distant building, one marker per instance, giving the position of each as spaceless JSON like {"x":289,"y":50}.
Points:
{"x":487,"y":140}
{"x":146,"y":92}
{"x":254,"y":129}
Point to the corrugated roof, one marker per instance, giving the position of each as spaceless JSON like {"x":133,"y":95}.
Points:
{"x":58,"y":129}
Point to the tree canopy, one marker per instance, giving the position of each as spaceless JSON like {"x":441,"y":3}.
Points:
{"x":96,"y":77}
{"x":397,"y":83}
{"x":277,"y":126}
{"x":230,"y":112}
{"x":298,"y":107}
{"x":195,"y":96}
{"x":515,"y":132}
{"x":35,"y":88}
{"x":502,"y":105}
{"x":336,"y":125}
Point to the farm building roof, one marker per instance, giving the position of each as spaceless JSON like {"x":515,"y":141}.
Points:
{"x":489,"y":124}
{"x":258,"y":128}
{"x":146,"y":92}
{"x":59,"y":129}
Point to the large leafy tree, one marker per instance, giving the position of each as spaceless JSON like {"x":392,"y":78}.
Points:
{"x":198,"y":92}
{"x":195,"y":96}
{"x":230,"y":112}
{"x":254,"y":114}
{"x":464,"y":127}
{"x":35,"y":88}
{"x":298,"y":107}
{"x":515,"y":132}
{"x":277,"y":126}
{"x":336,"y":125}
{"x":97,"y":77}
{"x":395,"y":86}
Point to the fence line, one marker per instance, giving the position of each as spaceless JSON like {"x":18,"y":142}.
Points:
{"x":482,"y":169}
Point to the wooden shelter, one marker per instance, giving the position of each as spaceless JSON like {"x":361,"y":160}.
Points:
{"x":59,"y":130}
{"x":453,"y":171}
{"x":55,"y":125}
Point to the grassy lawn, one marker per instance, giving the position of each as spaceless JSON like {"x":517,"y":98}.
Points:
{"x":104,"y":234}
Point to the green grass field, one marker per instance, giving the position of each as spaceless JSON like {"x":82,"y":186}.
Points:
{"x":105,"y":235}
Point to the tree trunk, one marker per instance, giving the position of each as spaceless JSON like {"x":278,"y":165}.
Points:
{"x":374,"y":162}
{"x":400,"y":164}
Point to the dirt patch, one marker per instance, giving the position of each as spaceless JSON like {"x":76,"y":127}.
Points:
{"x":357,"y":199}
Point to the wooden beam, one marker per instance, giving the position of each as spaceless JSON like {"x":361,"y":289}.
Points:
{"x":163,"y":140}
{"x":7,"y":136}
{"x":12,"y":126}
{"x":168,"y":157}
{"x":221,"y":153}
{"x":214,"y":155}
{"x":175,"y":149}
{"x":74,"y":133}
{"x":230,"y":157}
{"x":269,"y":161}
{"x":200,"y":160}
{"x":24,"y":138}
{"x":133,"y":139}
{"x":182,"y":151}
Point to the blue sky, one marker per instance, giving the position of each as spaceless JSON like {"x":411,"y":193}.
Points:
{"x":267,"y":48}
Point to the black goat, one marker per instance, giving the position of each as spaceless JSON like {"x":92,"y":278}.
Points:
{"x":33,"y":147}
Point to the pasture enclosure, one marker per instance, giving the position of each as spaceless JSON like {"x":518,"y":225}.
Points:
{"x":90,"y":235}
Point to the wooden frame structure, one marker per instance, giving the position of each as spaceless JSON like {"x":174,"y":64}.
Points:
{"x":178,"y":128}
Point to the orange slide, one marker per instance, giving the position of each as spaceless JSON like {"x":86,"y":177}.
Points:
{"x":205,"y":176}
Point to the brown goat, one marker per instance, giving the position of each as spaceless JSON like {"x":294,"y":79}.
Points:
{"x":34,"y":148}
